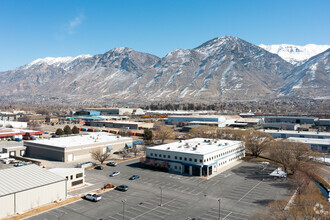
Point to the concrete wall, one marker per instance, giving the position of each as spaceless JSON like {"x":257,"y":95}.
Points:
{"x":44,"y":152}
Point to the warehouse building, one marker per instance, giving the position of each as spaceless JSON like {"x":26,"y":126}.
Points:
{"x":13,"y":134}
{"x":281,"y":125}
{"x":290,"y":119}
{"x":121,"y":124}
{"x":28,"y":187}
{"x":321,"y":145}
{"x":73,"y":148}
{"x":196,"y":157}
{"x":217,"y":120}
{"x":298,"y":134}
{"x":116,"y":111}
{"x":75,"y":177}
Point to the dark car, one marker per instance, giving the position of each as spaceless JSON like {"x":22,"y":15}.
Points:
{"x":99,"y":168}
{"x":113,"y":164}
{"x":122,"y":188}
{"x":134,"y":177}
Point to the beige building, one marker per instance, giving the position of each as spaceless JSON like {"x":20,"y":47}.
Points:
{"x":75,"y":177}
{"x":28,"y":187}
{"x":75,"y":148}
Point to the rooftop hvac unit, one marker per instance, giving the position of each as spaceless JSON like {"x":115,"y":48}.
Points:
{"x":226,"y":143}
{"x":199,"y":143}
{"x":168,"y":148}
{"x":118,"y":136}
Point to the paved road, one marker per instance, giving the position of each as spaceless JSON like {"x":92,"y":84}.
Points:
{"x":241,"y":190}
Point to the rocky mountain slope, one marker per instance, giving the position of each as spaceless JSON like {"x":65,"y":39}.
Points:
{"x":295,"y":54}
{"x":225,"y":68}
{"x":312,"y":79}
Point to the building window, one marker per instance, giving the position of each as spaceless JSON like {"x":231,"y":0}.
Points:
{"x":175,"y":157}
{"x":71,"y":177}
{"x":74,"y":183}
{"x":190,"y":159}
{"x":164,"y":156}
{"x":176,"y":167}
{"x":160,"y":155}
{"x":78,"y":175}
{"x":168,"y":156}
{"x":155,"y":155}
{"x":67,"y":178}
{"x":151,"y":154}
{"x":180,"y":158}
{"x":201,"y":161}
{"x":195,"y":160}
{"x":185,"y":158}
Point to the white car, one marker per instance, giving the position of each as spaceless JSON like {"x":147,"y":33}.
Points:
{"x":115,"y":173}
{"x":93,"y":197}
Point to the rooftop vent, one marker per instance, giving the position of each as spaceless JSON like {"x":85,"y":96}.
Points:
{"x":168,"y":148}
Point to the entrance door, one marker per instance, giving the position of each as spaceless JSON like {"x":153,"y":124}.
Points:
{"x":210,"y":170}
{"x":186,"y":169}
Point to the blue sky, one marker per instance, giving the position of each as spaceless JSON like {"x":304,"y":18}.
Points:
{"x":32,"y":29}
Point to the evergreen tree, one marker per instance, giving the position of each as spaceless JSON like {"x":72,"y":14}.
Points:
{"x":59,"y":131}
{"x":147,"y":136}
{"x":67,"y":129}
{"x":75,"y":130}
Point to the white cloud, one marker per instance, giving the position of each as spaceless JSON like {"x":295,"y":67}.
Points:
{"x":70,"y":27}
{"x":74,"y":23}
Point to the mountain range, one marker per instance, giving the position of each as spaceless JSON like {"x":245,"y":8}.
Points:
{"x":224,"y":68}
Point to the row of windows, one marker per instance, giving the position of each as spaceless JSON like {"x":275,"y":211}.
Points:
{"x":175,"y":157}
{"x":222,"y":154}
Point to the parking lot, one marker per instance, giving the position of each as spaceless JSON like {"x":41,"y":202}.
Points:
{"x":242,"y":190}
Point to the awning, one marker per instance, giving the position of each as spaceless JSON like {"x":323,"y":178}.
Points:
{"x":128,"y":145}
{"x":110,"y":148}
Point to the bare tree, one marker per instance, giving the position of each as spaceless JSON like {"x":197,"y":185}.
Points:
{"x":100,"y":156}
{"x":125,"y":153}
{"x":164,"y":132}
{"x":256,"y":141}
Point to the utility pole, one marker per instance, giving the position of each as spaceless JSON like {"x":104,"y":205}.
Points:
{"x":123,"y":201}
{"x":219,"y":200}
{"x":161,"y":196}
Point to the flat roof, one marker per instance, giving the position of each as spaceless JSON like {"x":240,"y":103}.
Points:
{"x":65,"y":170}
{"x":281,"y":116}
{"x":194,"y":116}
{"x":74,"y":141}
{"x":310,"y":140}
{"x":296,"y":132}
{"x":203,"y":146}
{"x":22,"y":178}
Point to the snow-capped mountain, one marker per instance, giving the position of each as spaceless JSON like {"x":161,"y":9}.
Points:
{"x":295,"y":54}
{"x":224,"y":68}
{"x":311,"y":79}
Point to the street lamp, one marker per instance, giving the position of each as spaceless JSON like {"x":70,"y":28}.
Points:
{"x":161,"y":196}
{"x":123,"y":201}
{"x":219,"y":200}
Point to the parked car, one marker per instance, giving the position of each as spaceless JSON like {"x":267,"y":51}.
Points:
{"x":122,"y":188}
{"x":99,"y":168}
{"x":113,"y":164}
{"x":19,"y":164}
{"x":115,"y":173}
{"x":134,"y":177}
{"x":93,"y":197}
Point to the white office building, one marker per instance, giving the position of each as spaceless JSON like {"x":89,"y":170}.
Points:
{"x":196,"y":157}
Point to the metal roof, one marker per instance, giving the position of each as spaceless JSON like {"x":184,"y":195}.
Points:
{"x":22,"y":178}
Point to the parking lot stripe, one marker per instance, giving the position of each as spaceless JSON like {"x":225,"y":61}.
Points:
{"x":152,"y":209}
{"x":227,"y":215}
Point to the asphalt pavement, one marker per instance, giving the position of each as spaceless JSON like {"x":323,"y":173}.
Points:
{"x":241,"y":191}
